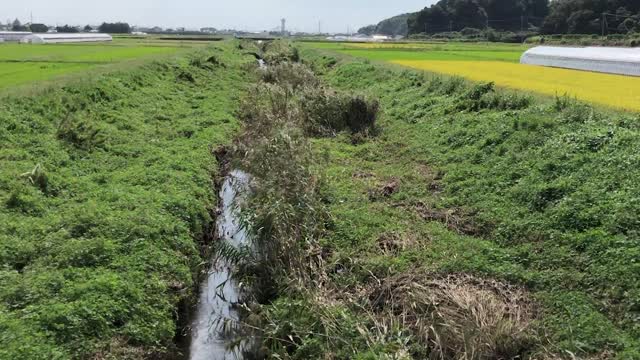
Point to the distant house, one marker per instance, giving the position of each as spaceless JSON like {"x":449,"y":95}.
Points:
{"x":378,"y":37}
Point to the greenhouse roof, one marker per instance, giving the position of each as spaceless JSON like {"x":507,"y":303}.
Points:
{"x":613,"y":60}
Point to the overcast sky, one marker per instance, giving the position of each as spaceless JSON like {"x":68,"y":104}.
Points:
{"x":301,"y":15}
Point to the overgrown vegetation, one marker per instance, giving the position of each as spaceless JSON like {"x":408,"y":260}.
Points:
{"x":321,"y":295}
{"x":538,"y":195}
{"x":105,"y":197}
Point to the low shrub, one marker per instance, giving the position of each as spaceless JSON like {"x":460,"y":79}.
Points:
{"x":483,"y":96}
{"x":326,"y":112}
{"x":294,"y":75}
{"x":80,"y":132}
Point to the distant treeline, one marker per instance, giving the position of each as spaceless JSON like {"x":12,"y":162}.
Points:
{"x":115,"y":28}
{"x":396,"y":25}
{"x":540,"y":16}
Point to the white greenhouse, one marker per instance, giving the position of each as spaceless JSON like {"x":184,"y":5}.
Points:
{"x":14,"y":35}
{"x":53,"y":38}
{"x":624,"y":61}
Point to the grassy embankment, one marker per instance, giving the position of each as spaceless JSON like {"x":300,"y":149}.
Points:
{"x":24,"y":63}
{"x":499,"y":63}
{"x":105,"y":195}
{"x":477,"y":224}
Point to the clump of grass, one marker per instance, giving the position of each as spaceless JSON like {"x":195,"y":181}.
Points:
{"x":326,"y":112}
{"x":206,"y":61}
{"x":483,"y":96}
{"x":80,"y":132}
{"x":278,"y":51}
{"x":186,"y":75}
{"x":562,"y":102}
{"x":293,"y":75}
{"x":458,"y":316}
{"x":292,"y":93}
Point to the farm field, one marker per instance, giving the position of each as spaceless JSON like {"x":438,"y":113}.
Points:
{"x":499,"y":64}
{"x":22,"y":63}
{"x":428,"y":51}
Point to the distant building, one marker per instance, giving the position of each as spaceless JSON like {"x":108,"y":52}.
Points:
{"x":378,"y":37}
{"x":359,"y":38}
{"x":51,"y":38}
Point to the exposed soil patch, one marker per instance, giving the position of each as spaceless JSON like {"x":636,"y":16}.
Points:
{"x":392,"y":243}
{"x":456,"y":219}
{"x":385,"y":190}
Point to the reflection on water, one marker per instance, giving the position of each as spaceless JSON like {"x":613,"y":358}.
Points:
{"x":212,"y":336}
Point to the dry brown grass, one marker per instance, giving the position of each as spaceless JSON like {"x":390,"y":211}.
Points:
{"x":393,"y":243}
{"x":459,"y":220}
{"x":458,"y":316}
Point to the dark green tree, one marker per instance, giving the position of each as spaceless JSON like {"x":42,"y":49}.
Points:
{"x":368,"y":30}
{"x":115,"y":28}
{"x":17,"y":26}
{"x":39,"y":28}
{"x":66,"y":29}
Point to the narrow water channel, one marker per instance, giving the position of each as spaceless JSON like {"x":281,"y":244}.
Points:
{"x":219,"y":293}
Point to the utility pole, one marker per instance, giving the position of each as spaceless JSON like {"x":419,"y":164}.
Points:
{"x":284,"y":26}
{"x":603,"y":21}
{"x":319,"y":27}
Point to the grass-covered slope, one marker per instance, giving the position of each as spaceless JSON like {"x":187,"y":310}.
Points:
{"x":105,"y":193}
{"x":464,"y":180}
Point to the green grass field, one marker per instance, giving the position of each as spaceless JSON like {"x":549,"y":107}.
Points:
{"x":427,"y":51}
{"x":499,"y":63}
{"x":26,"y":64}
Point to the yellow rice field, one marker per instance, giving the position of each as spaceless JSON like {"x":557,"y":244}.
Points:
{"x":617,"y":91}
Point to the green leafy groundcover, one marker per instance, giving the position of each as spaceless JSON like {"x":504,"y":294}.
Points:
{"x":105,"y":191}
{"x":542,"y":194}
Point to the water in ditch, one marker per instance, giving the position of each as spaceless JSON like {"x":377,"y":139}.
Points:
{"x":212,"y":335}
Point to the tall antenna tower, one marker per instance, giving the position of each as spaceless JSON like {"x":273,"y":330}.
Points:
{"x":284,"y":26}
